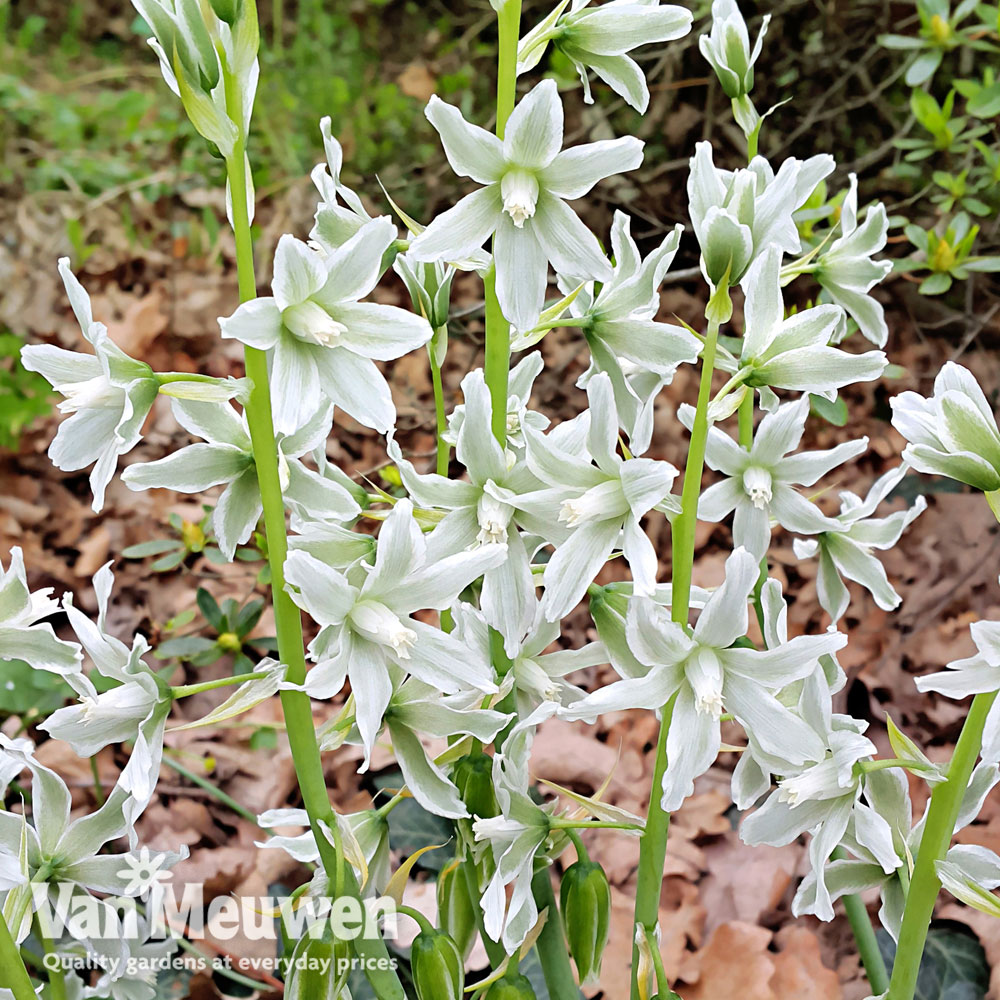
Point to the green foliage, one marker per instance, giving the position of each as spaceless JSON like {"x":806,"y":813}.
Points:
{"x":953,"y":966}
{"x":948,"y":256}
{"x":231,"y":624}
{"x":191,"y":538}
{"x":24,"y":395}
{"x":26,"y":691}
{"x":955,"y":153}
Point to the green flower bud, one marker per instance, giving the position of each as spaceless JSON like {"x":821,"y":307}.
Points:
{"x":473,"y":776}
{"x":437,"y":967}
{"x":316,"y":969}
{"x":456,"y":909}
{"x":585,"y":901}
{"x":226,"y":10}
{"x":516,"y":988}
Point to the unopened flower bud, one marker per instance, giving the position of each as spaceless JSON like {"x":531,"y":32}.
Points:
{"x":511,"y":988}
{"x":456,"y":909}
{"x":226,"y":10}
{"x":585,"y":901}
{"x":473,"y":776}
{"x":315,"y":969}
{"x":437,"y":966}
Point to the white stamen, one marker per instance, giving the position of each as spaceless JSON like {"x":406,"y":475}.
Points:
{"x":520,"y":194}
{"x":92,"y":393}
{"x":494,"y":517}
{"x":757,"y":485}
{"x":376,"y":622}
{"x":310,"y":322}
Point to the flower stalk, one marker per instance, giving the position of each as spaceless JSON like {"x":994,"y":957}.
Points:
{"x":15,"y":976}
{"x":946,"y":799}
{"x":288,"y":620}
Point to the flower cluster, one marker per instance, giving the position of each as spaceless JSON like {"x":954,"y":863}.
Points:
{"x":444,"y":626}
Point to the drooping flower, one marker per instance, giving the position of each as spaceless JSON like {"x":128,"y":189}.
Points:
{"x":366,"y":624}
{"x":480,"y":512}
{"x":107,"y":394}
{"x":637,"y":353}
{"x":416,"y":709}
{"x":57,"y":850}
{"x":727,"y":48}
{"x":823,"y":800}
{"x":365,"y":839}
{"x":846,"y":269}
{"x":887,"y":793}
{"x":953,"y":433}
{"x":593,"y":504}
{"x":736,"y":215}
{"x":759,"y":483}
{"x":134,"y":709}
{"x":795,"y":353}
{"x":705,"y":675}
{"x":226,"y":457}
{"x":324,"y":341}
{"x":600,"y":38}
{"x":976,"y":674}
{"x":527,"y":181}
{"x":846,"y":551}
{"x":23,"y":634}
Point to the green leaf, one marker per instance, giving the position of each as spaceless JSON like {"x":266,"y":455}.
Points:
{"x":169,"y":562}
{"x":953,"y":966}
{"x":152,"y":548}
{"x":209,"y":608}
{"x":986,"y":103}
{"x":935,"y":284}
{"x":248,"y":616}
{"x":834,"y":413}
{"x":184,"y":646}
{"x":24,"y":689}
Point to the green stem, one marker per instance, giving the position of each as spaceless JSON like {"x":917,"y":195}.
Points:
{"x":864,"y":937}
{"x":288,"y":620}
{"x":56,"y":973}
{"x":497,"y":364}
{"x":653,"y":848}
{"x":440,"y":417}
{"x":13,"y":973}
{"x":426,"y":927}
{"x":186,"y":690}
{"x":98,"y":787}
{"x":946,"y":800}
{"x":591,"y":824}
{"x":551,"y":945}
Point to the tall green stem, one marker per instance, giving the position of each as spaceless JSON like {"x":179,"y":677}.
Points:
{"x":440,"y":418}
{"x":946,"y":800}
{"x":497,"y":365}
{"x":288,"y":620}
{"x":864,"y":937}
{"x":653,"y":850}
{"x":13,"y":973}
{"x":551,"y":944}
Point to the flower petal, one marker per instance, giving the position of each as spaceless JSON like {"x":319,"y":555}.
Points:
{"x":471,"y":150}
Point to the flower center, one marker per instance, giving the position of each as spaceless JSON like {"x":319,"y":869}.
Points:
{"x":520,"y":194}
{"x":757,"y":485}
{"x":704,"y":674}
{"x":599,"y":503}
{"x":816,"y":783}
{"x":310,"y":322}
{"x":493,"y":519}
{"x":376,"y":622}
{"x":91,"y":394}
